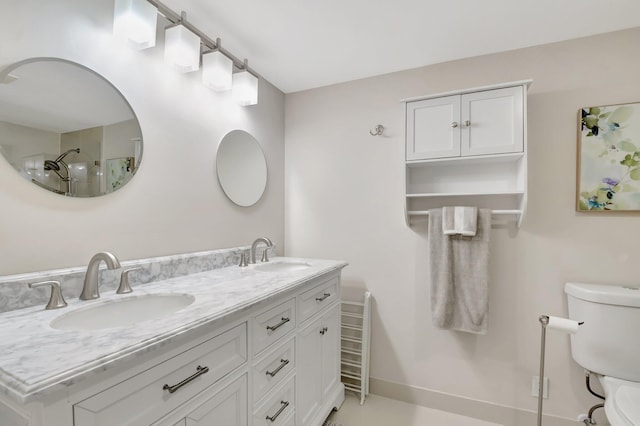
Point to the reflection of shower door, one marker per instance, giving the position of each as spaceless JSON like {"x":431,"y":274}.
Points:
{"x":119,"y":171}
{"x":80,"y":184}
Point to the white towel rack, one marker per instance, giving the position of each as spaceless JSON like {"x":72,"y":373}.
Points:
{"x":356,"y":340}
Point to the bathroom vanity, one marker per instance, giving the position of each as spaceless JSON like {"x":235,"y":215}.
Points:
{"x":258,"y":345}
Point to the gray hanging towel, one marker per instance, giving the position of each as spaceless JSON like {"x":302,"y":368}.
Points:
{"x":459,"y":275}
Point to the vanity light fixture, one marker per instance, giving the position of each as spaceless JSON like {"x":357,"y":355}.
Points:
{"x":245,"y":87}
{"x":217,"y":70}
{"x":181,"y":48}
{"x":134,"y":22}
{"x":184,"y":44}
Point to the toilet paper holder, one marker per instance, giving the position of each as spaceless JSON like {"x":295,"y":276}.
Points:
{"x":553,"y":323}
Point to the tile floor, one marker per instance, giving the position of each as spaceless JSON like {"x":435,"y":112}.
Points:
{"x":380,"y":411}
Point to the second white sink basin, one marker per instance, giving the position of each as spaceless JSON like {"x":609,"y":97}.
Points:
{"x":123,"y":312}
{"x":282,"y":266}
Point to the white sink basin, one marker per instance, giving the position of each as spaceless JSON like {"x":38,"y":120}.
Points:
{"x":122,"y":312}
{"x":282,"y":266}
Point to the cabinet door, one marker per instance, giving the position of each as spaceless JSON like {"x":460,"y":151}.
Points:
{"x":330,"y":350}
{"x":492,"y":122}
{"x":228,"y":407}
{"x":309,"y":372}
{"x":433,"y":128}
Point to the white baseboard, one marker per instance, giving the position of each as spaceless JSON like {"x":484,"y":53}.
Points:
{"x":487,"y":411}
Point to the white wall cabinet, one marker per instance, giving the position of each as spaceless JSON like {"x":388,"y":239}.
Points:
{"x":479,"y":123}
{"x":249,"y":371}
{"x":467,"y":148}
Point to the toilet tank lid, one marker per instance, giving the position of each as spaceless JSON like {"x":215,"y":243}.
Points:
{"x":608,"y":294}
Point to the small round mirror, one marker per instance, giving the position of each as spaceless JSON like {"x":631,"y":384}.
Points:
{"x":67,"y":129}
{"x":242,"y":168}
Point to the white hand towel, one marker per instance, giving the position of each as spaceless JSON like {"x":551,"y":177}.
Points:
{"x":459,"y":221}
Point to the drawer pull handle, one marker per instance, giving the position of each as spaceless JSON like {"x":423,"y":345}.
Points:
{"x":273,"y":418}
{"x":278,"y":325}
{"x":280,"y":367}
{"x":320,"y":299}
{"x":199,"y":372}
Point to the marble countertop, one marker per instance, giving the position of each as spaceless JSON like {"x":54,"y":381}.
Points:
{"x":37,"y":360}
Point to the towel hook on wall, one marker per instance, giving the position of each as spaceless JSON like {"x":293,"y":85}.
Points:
{"x":377,"y":131}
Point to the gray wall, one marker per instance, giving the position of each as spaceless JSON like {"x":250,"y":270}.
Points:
{"x":174,"y":204}
{"x":344,"y":199}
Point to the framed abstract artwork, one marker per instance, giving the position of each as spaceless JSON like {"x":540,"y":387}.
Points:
{"x":608,"y":175}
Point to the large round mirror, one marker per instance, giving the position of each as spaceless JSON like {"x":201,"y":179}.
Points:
{"x":67,"y":129}
{"x":242,"y":168}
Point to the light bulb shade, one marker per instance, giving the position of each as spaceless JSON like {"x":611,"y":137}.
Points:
{"x":182,"y":49}
{"x":134,"y":22}
{"x":245,"y":88}
{"x":217,"y":71}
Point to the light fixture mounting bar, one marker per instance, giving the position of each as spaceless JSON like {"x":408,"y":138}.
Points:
{"x":208,"y":42}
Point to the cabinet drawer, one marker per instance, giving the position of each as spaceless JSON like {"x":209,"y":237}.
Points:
{"x":290,"y":421}
{"x":273,"y":368}
{"x":144,"y":398}
{"x":278,"y":407}
{"x":273,"y":324}
{"x":228,"y":407}
{"x":314,"y":300}
{"x":225,"y":403}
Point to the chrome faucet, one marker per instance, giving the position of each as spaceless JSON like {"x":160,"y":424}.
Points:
{"x":252,"y":253}
{"x":90,"y":288}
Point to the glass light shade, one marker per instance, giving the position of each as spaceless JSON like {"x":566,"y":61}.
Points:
{"x":134,"y":22}
{"x":217,"y":71}
{"x":245,"y":88}
{"x":182,"y":49}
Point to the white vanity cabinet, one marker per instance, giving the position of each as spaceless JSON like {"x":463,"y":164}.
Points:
{"x":318,"y":351}
{"x":250,"y":367}
{"x":467,"y":148}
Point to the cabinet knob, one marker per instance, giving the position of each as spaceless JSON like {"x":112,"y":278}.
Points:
{"x":454,"y":124}
{"x":467,"y":123}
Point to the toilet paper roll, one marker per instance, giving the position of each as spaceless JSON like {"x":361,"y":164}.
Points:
{"x":562,"y":324}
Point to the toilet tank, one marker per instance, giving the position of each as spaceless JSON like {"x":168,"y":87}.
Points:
{"x":608,"y":342}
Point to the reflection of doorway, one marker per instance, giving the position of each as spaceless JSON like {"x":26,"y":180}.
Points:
{"x":119,"y":171}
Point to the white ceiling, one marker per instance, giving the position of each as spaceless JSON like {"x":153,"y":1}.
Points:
{"x":59,"y":96}
{"x":302,"y":44}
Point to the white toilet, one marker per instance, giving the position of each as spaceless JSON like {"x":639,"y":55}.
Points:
{"x":608,"y":344}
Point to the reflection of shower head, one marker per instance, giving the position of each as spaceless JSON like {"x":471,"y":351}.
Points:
{"x":51,"y":165}
{"x":54,"y":165}
{"x":64,"y":154}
